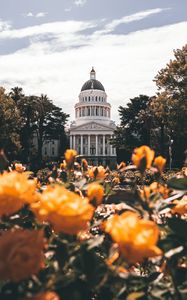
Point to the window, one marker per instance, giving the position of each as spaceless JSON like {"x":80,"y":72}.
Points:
{"x":96,"y":98}
{"x":101,"y":150}
{"x":53,"y":151}
{"x":45,"y":150}
{"x":89,"y":98}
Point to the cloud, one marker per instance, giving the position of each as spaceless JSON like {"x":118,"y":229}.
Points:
{"x":80,"y":3}
{"x":4,"y":25}
{"x":59,"y":65}
{"x":41,"y":14}
{"x":68,"y":9}
{"x":55,"y":28}
{"x":110,"y":27}
{"x":37,"y":15}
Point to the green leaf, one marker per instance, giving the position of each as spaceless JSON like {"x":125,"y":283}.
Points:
{"x":179,"y":226}
{"x":178,"y":183}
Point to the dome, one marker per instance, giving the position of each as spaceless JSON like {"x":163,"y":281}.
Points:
{"x":92,"y":84}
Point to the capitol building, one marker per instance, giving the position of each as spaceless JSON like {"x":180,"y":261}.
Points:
{"x":93,"y":128}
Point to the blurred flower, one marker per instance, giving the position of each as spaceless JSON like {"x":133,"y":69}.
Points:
{"x":160,"y":163}
{"x":63,"y":165}
{"x":121,"y":165}
{"x":84,"y":164}
{"x":142,"y":157}
{"x":19,"y":167}
{"x":70,"y":155}
{"x":97,"y":172}
{"x":180,"y":206}
{"x":15,"y":191}
{"x":136,"y":238}
{"x":155,"y":187}
{"x":20,"y":254}
{"x":116,"y":180}
{"x":64,"y":210}
{"x":44,"y":296}
{"x":95,"y":192}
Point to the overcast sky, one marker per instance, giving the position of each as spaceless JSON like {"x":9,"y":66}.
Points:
{"x":49,"y":46}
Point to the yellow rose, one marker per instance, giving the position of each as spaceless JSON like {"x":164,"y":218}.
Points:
{"x":70,"y":155}
{"x":64,"y":210}
{"x":142,"y":157}
{"x":136,"y":238}
{"x":15,"y":191}
{"x":21,"y":254}
{"x":160,"y":163}
{"x":97,"y":172}
{"x":95,"y":192}
{"x":180,"y":206}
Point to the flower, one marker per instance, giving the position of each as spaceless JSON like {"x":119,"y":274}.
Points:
{"x":66,"y":211}
{"x":154,"y":188}
{"x":44,"y":296}
{"x":19,"y":167}
{"x":160,"y":162}
{"x":84,"y":164}
{"x":121,"y":165}
{"x":95,"y":192}
{"x":63,"y":165}
{"x":136,"y":238}
{"x":70,"y":155}
{"x":97,"y":172}
{"x":142,"y":157}
{"x":180,"y":206}
{"x":21,"y":254}
{"x":15,"y":191}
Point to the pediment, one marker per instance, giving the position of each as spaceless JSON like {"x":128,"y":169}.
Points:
{"x":92,"y":126}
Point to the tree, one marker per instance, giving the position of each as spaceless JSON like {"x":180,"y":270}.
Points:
{"x":10,"y":121}
{"x":170,"y":105}
{"x":135,"y":126}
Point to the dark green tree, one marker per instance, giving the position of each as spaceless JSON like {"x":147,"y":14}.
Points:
{"x":170,"y":105}
{"x":135,"y":127}
{"x":10,"y":122}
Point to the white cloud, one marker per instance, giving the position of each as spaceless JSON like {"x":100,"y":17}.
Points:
{"x":41,"y":14}
{"x":80,"y":3}
{"x":4,"y":25}
{"x":68,"y":9}
{"x":46,"y":28}
{"x":37,"y":15}
{"x":29,"y":14}
{"x":125,"y":64}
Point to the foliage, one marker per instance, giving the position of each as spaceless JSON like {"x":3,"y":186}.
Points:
{"x":83,"y":232}
{"x":10,"y":121}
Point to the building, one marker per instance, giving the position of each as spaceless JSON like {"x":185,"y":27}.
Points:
{"x":93,"y":128}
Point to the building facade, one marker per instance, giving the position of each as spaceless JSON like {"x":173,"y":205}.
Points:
{"x":93,"y":128}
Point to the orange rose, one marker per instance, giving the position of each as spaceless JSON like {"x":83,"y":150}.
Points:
{"x":19,"y":168}
{"x":155,"y":187}
{"x":44,"y":296}
{"x":97,"y":172}
{"x":64,"y":210}
{"x":136,"y":238}
{"x":160,"y":163}
{"x":15,"y":191}
{"x":180,"y":207}
{"x":143,"y":157}
{"x":95,"y":192}
{"x":84,"y":164}
{"x":70,"y":155}
{"x":20,"y":254}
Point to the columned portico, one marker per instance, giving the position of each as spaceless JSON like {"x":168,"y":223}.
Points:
{"x":92,"y":130}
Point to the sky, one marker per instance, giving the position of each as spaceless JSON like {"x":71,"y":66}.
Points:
{"x":49,"y":46}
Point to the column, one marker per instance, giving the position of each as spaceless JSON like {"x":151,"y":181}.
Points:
{"x":111,"y":154}
{"x":88,"y":145}
{"x":81,"y":145}
{"x":74,"y":142}
{"x":96,"y":145}
{"x":103,"y":145}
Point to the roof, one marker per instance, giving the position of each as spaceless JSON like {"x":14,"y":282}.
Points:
{"x":92,"y":84}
